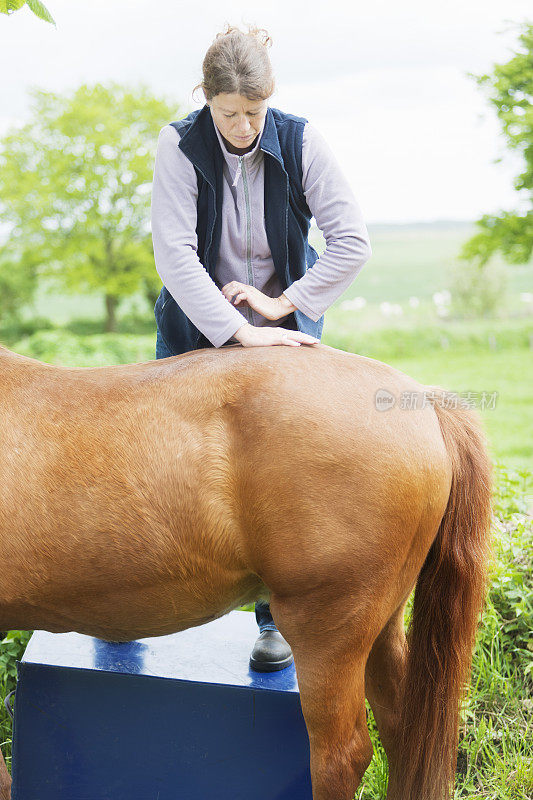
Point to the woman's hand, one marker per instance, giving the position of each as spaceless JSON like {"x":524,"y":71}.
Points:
{"x":250,"y":336}
{"x":243,"y":295}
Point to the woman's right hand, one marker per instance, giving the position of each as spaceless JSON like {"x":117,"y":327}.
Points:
{"x":252,"y":336}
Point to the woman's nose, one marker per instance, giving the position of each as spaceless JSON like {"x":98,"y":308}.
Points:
{"x":243,"y":125}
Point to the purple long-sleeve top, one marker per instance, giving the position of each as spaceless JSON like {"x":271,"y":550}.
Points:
{"x":244,"y":254}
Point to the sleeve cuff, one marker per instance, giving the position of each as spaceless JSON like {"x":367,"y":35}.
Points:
{"x":228,"y":331}
{"x":293,"y":295}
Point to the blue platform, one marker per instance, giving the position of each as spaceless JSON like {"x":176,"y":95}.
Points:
{"x":178,"y":717}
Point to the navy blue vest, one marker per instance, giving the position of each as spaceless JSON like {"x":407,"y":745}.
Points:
{"x":287,"y":215}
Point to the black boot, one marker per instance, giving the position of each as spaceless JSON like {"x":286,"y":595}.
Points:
{"x":271,"y":652}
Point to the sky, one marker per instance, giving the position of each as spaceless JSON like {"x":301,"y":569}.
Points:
{"x":385,"y":82}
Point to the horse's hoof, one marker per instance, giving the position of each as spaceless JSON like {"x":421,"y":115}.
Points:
{"x":271,"y":653}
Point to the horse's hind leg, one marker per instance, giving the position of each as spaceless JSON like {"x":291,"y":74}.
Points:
{"x":384,"y":674}
{"x":330,"y":653}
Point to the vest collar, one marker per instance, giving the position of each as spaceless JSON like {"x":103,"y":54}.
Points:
{"x":233,"y":160}
{"x":200,"y":143}
{"x":269,"y":140}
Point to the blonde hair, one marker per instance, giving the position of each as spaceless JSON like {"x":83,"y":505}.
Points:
{"x":238,"y":63}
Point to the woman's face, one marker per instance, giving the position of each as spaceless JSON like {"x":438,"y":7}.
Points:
{"x":238,"y":119}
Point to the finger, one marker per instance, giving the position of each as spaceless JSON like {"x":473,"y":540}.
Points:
{"x":303,"y":338}
{"x":288,"y":340}
{"x":230,"y":289}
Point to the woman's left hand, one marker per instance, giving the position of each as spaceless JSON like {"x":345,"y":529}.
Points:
{"x":242,"y":295}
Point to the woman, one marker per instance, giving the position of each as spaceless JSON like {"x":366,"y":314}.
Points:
{"x":236,"y":184}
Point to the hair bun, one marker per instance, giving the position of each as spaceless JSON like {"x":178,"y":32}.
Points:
{"x":237,"y":62}
{"x":261,"y":34}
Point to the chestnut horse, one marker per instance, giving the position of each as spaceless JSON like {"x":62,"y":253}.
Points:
{"x":143,"y":499}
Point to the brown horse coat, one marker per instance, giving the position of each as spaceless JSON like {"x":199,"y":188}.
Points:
{"x":143,"y":499}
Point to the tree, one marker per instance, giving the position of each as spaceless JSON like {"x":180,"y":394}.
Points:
{"x":510,"y":91}
{"x":9,"y":6}
{"x":17,"y":284}
{"x":75,"y":187}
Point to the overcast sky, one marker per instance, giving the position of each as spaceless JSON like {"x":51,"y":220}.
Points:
{"x":385,"y":82}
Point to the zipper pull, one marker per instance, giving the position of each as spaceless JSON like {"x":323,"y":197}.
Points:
{"x":238,"y":171}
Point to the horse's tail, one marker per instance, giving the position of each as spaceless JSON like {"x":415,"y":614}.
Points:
{"x":448,"y":599}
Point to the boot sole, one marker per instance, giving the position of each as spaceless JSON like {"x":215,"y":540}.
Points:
{"x":270,"y":666}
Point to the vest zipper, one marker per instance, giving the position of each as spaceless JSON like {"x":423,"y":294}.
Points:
{"x":248,"y":234}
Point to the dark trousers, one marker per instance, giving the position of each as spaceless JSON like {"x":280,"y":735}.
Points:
{"x":262,"y":610}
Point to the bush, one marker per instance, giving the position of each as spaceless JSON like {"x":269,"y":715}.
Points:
{"x":495,"y":756}
{"x":478,"y":290}
{"x":64,"y":348}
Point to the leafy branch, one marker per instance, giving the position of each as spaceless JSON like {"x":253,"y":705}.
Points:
{"x":10,"y":6}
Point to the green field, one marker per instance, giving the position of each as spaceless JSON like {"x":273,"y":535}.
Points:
{"x":407,"y":261}
{"x":416,"y":260}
